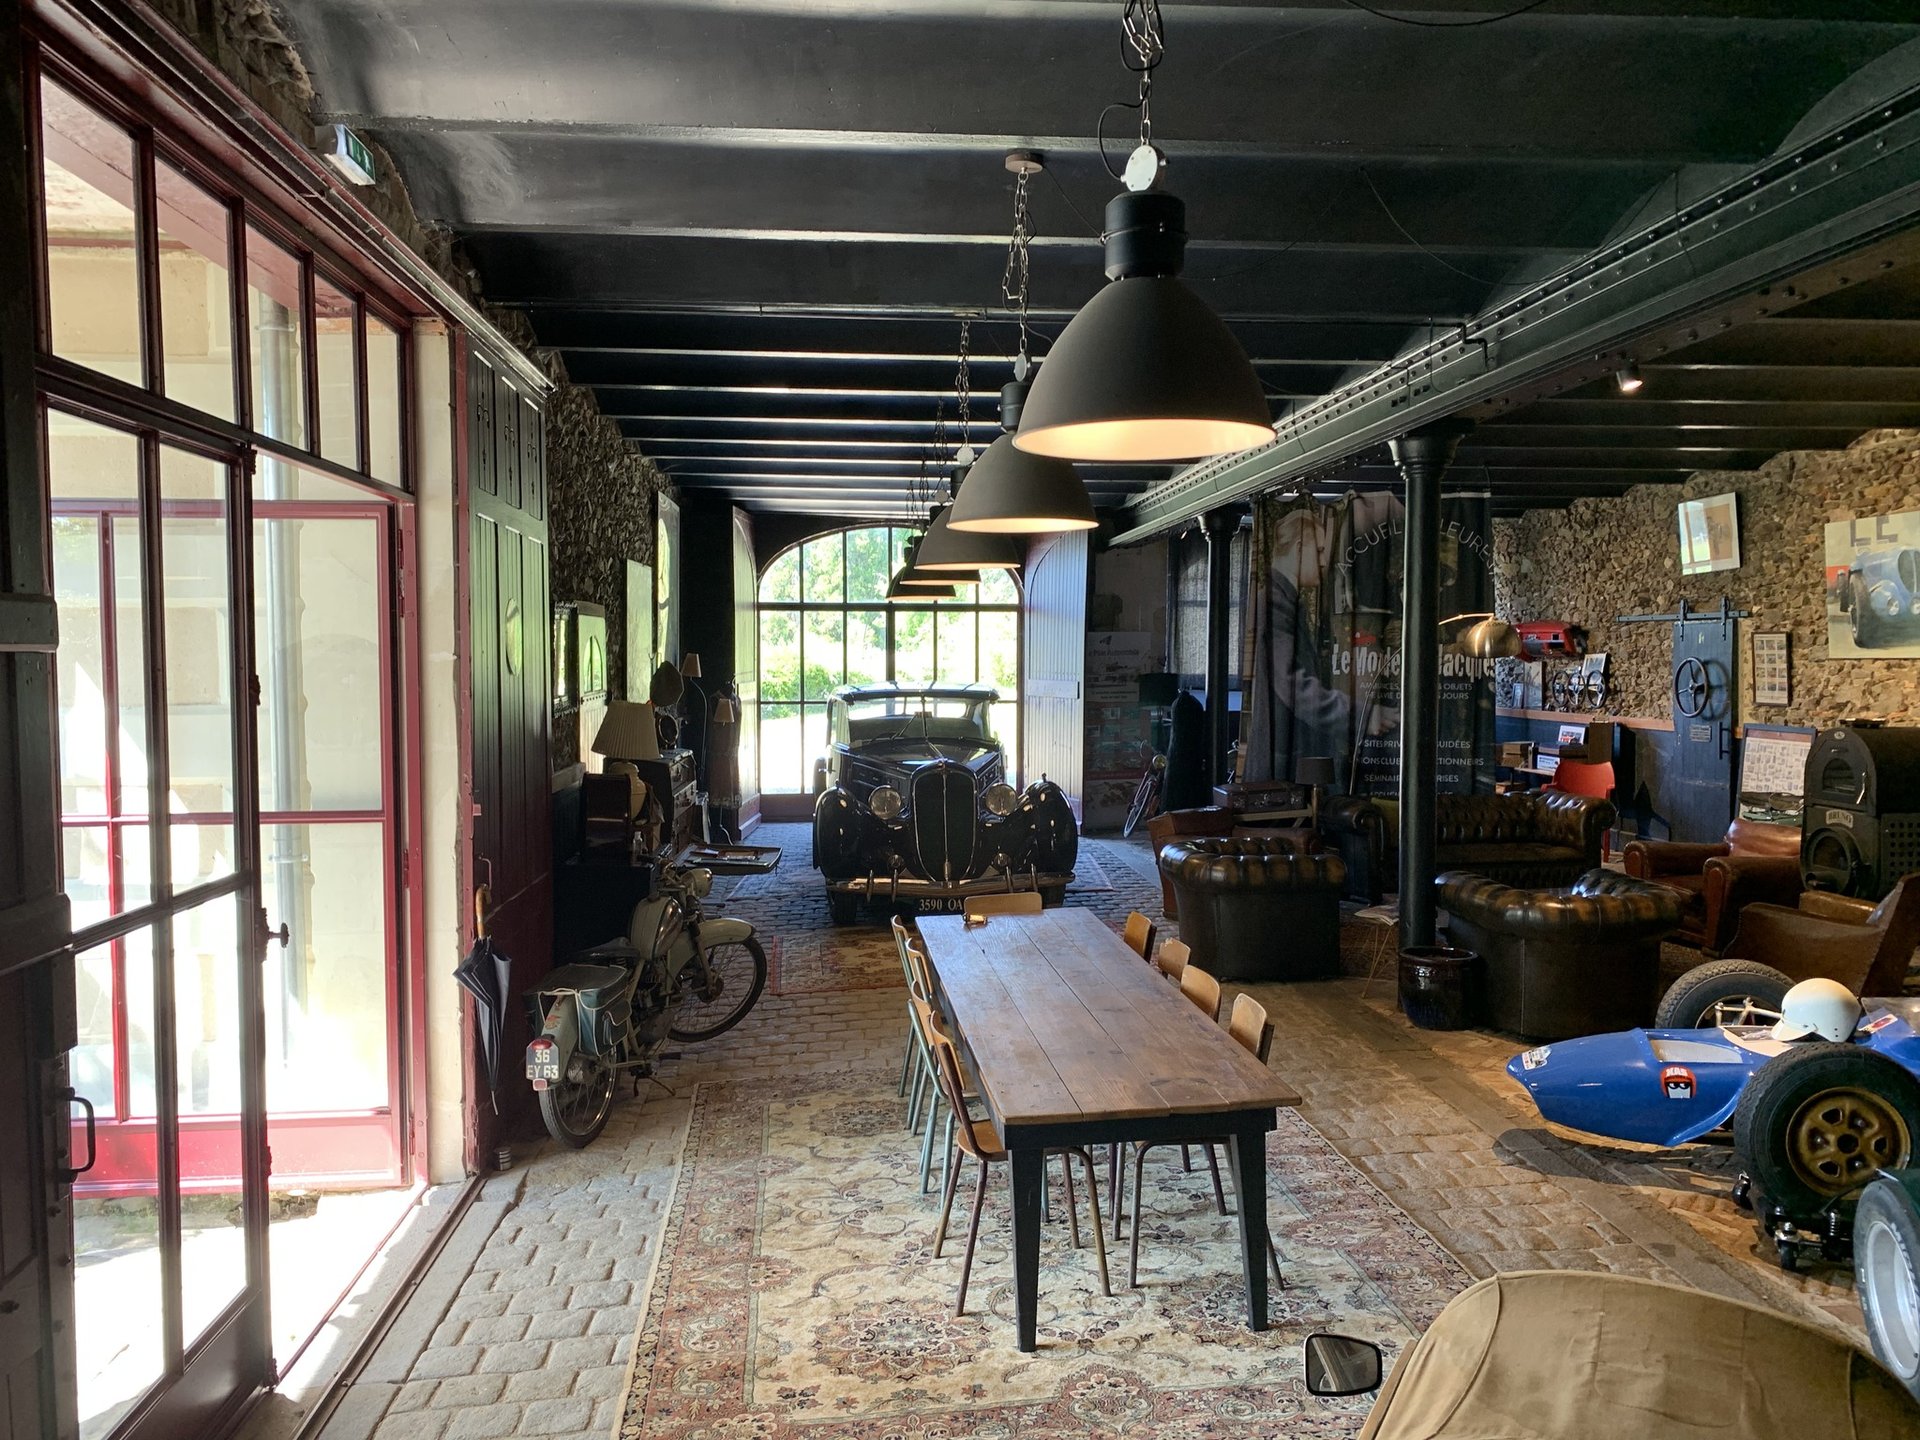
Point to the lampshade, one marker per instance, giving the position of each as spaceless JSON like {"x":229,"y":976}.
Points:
{"x":1483,"y":635}
{"x":690,"y":665}
{"x":1315,"y":770}
{"x":628,"y":732}
{"x":943,"y":548}
{"x":726,"y":710}
{"x":899,"y":590}
{"x":1145,"y":371}
{"x":1009,"y":492}
{"x":667,"y":686}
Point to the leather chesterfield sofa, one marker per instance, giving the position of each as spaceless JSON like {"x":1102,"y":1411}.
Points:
{"x":1561,"y":962}
{"x":1541,"y":839}
{"x":1756,"y":862}
{"x":1257,"y":909}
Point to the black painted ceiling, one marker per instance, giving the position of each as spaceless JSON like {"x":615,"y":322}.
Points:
{"x":749,"y":224}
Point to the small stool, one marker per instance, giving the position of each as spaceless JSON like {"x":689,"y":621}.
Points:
{"x":1387,"y":917}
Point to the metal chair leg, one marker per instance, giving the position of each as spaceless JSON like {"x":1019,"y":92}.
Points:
{"x":946,"y":1208}
{"x":913,"y":1099}
{"x":973,"y":1235}
{"x":1099,"y":1235}
{"x":1073,"y":1207}
{"x":906,"y":1061}
{"x":1186,"y":1159}
{"x":1113,"y":1186}
{"x":1139,"y":1218}
{"x":1213,"y":1164}
{"x":926,"y":1145}
{"x":946,"y":1155}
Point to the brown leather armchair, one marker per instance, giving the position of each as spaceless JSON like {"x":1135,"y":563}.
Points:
{"x":1755,"y":863}
{"x":1544,"y":838}
{"x":1866,"y":947}
{"x":1215,"y":822}
{"x":1257,"y":909}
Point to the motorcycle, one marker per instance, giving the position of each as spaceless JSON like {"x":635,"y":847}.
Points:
{"x":677,"y":975}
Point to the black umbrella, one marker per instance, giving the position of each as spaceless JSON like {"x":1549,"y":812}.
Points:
{"x":487,"y":975}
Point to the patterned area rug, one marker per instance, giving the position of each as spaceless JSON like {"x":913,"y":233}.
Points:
{"x":858,"y":957}
{"x":796,"y":1294}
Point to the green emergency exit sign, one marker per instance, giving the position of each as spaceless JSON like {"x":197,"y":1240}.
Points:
{"x":349,"y":154}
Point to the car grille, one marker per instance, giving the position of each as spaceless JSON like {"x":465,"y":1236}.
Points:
{"x":943,"y":821}
{"x":1908,"y":567}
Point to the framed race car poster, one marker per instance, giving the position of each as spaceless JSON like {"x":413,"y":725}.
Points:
{"x":1873,"y":587}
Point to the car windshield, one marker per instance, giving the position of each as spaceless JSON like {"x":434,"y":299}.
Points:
{"x":918,"y":717}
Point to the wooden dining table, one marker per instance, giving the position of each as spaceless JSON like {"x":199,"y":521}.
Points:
{"x":1076,"y":1041}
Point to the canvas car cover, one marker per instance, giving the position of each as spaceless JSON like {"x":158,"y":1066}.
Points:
{"x":1556,"y":1355}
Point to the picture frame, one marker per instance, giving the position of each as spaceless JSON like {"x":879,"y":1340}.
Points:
{"x":1709,"y":534}
{"x":637,"y":658}
{"x":1772,"y":678}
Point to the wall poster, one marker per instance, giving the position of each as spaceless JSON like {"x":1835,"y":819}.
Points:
{"x":1771,"y":683}
{"x":1773,"y":769}
{"x":1873,"y":587}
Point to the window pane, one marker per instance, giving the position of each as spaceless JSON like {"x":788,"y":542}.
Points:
{"x":383,"y":402}
{"x":825,"y":658}
{"x":199,"y":671}
{"x":81,"y":666}
{"x":207,"y":1061}
{"x":781,"y":767}
{"x":912,"y":645}
{"x":779,"y":655}
{"x":118,"y":1302}
{"x":1000,"y":651}
{"x":813,"y":741}
{"x":196,"y":301}
{"x":781,"y":582}
{"x":273,"y":316}
{"x":93,"y":275}
{"x":956,"y":651}
{"x":823,"y":569}
{"x":868,"y":569}
{"x":997,"y":588}
{"x":866,"y":646}
{"x":333,"y":366}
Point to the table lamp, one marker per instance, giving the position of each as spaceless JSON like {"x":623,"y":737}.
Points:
{"x":1316,"y":773}
{"x":696,"y":737}
{"x":628,"y":732}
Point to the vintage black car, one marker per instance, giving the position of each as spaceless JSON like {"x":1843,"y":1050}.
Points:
{"x":914,"y":808}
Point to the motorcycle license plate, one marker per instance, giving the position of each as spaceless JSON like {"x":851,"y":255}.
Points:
{"x":543,"y":1064}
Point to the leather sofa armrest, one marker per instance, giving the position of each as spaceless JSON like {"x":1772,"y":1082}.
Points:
{"x":1733,"y":882}
{"x":1802,"y":943}
{"x":1646,"y":859}
{"x":1578,"y":820}
{"x":1834,"y":909}
{"x":1351,"y":814}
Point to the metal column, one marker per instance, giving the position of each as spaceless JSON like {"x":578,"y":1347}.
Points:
{"x":1423,"y":457}
{"x":1220,"y":525}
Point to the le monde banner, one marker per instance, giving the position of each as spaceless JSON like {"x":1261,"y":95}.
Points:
{"x":1327,"y":623}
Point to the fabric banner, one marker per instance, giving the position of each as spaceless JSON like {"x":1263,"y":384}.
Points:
{"x":1328,"y":598}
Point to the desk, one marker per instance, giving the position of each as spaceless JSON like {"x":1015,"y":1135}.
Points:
{"x":1076,"y":1042}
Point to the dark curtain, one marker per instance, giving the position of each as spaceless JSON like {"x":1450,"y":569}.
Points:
{"x":1327,"y":601}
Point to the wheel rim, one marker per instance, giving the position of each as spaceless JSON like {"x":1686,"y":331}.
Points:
{"x":1890,"y":1296}
{"x":1841,"y":1137}
{"x":1736,"y":1010}
{"x":730,"y":968}
{"x":583,"y":1105}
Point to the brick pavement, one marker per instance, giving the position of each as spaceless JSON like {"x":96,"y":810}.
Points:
{"x":537,"y":1339}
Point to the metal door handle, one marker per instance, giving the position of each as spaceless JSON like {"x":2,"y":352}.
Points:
{"x":281,"y":935}
{"x":72,"y":1173}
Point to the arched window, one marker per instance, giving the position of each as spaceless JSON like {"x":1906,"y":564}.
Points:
{"x":825,"y":622}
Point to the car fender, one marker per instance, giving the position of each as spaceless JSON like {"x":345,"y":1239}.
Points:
{"x":1656,"y":1087}
{"x":1049,"y":820}
{"x":836,"y":835}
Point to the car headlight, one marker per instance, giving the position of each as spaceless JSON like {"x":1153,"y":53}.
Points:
{"x":1000,"y":800}
{"x":700,"y":881}
{"x":886,"y":802}
{"x":1890,"y":604}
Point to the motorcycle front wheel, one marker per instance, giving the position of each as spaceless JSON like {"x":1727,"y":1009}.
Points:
{"x":575,"y":1111}
{"x":736,"y":974}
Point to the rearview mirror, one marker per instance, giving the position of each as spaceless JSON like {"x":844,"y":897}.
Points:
{"x":1342,"y":1365}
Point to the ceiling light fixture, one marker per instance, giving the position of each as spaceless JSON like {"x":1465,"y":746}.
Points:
{"x":1628,"y":379}
{"x":1008,"y":491}
{"x":911,"y":584}
{"x":945,"y":550}
{"x":1145,"y":371}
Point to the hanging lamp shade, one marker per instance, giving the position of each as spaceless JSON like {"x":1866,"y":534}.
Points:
{"x":944,"y":549}
{"x":1145,"y":371}
{"x":1009,"y":492}
{"x":911,"y":583}
{"x":1482,"y":635}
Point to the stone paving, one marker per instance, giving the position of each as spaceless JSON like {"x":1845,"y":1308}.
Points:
{"x":537,"y":1339}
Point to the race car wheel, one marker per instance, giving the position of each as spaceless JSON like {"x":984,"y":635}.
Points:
{"x":1726,"y":992}
{"x":1821,"y":1120}
{"x":1865,"y":625}
{"x":1886,"y":1274}
{"x":843,"y":906}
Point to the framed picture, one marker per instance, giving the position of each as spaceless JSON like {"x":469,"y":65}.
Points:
{"x":1773,"y":768}
{"x":1771,"y":684}
{"x":1709,"y":534}
{"x":590,"y":650}
{"x":1872,"y":580}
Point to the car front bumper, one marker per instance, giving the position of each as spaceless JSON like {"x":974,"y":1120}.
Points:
{"x":887,"y":889}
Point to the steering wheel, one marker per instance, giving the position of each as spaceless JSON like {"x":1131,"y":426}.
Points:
{"x":1691,"y":688}
{"x":1563,"y":691}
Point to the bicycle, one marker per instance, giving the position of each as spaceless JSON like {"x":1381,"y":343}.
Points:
{"x":1146,"y":795}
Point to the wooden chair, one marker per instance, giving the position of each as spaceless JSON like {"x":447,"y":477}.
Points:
{"x":1202,"y":989}
{"x":902,"y":938}
{"x":1587,"y":777}
{"x":1140,"y":935}
{"x":1171,"y":959}
{"x":1015,"y":902}
{"x":978,"y":1139}
{"x":1249,"y":1025}
{"x":919,"y":977}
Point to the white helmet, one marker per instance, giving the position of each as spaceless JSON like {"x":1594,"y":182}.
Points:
{"x":1818,"y":1007}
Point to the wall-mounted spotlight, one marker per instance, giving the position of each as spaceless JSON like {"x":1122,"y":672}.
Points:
{"x":1628,"y":378}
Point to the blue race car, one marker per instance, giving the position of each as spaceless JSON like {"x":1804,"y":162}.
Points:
{"x":1813,"y":1121}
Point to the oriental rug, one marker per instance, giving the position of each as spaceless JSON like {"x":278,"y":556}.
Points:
{"x":796,"y":1296}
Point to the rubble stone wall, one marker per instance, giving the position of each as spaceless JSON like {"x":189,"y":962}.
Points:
{"x":1603,"y":558}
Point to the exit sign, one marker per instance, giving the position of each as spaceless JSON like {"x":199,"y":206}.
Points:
{"x":349,"y":154}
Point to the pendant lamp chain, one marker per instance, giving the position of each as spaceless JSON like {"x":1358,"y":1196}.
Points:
{"x":1143,"y":45}
{"x":963,"y":393}
{"x":1016,"y":278}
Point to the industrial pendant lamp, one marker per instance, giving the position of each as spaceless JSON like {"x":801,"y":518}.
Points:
{"x":944,"y":549}
{"x":1008,"y":491}
{"x":1145,"y":371}
{"x":911,"y":584}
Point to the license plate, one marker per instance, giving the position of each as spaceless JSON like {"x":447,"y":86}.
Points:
{"x":543,"y":1064}
{"x":941,"y":905}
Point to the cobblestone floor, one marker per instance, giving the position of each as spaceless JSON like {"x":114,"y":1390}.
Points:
{"x":537,"y":1339}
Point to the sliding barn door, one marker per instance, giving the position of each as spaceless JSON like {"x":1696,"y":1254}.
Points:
{"x":1055,"y":646}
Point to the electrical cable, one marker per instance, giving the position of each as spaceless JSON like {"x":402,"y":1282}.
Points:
{"x":1448,"y":24}
{"x":1441,"y":261}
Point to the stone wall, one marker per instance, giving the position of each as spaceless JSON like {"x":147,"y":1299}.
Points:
{"x":600,"y":491}
{"x":1603,"y":558}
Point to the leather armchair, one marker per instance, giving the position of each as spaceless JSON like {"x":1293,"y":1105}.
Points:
{"x":1254,"y":908}
{"x":1540,"y":839}
{"x":1170,"y":826}
{"x":1866,"y":947}
{"x":1561,"y":962}
{"x":1755,"y":863}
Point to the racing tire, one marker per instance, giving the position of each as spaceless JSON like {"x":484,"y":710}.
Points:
{"x":727,"y":961}
{"x":1886,"y":1276}
{"x":843,"y":907}
{"x":576,"y":1113}
{"x":1720,"y":993}
{"x":1816,"y":1123}
{"x":1866,"y":625}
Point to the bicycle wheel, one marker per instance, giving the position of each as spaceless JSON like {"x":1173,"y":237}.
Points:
{"x":736,"y":974}
{"x":1146,"y":800}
